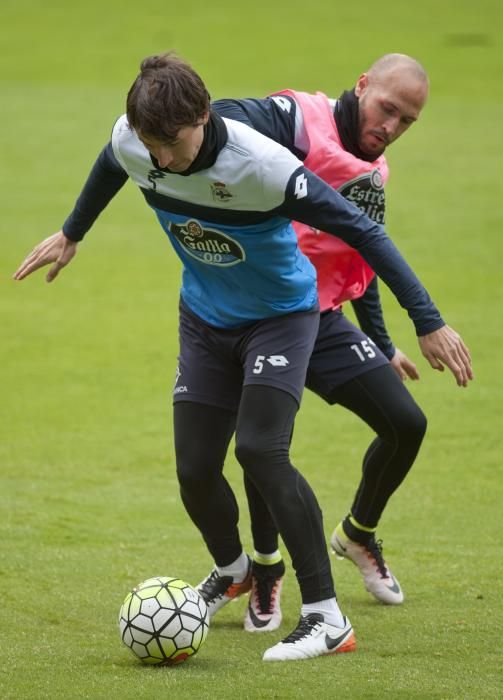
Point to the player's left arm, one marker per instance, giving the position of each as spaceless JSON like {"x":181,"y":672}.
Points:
{"x":310,"y":200}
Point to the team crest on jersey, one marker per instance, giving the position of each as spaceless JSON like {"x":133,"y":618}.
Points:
{"x":207,"y":245}
{"x":367,"y":193}
{"x":376,"y":179}
{"x":220,"y":192}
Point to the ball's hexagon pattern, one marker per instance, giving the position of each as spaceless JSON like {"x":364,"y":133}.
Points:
{"x":199,"y":635}
{"x":145,"y":623}
{"x":150,"y":606}
{"x":190,"y":623}
{"x":134,"y":606}
{"x":140,"y":636}
{"x":162,"y":618}
{"x":164,"y":597}
{"x":190,"y":608}
{"x":168,"y":647}
{"x":177,"y":596}
{"x":172,"y":628}
{"x":183,"y":639}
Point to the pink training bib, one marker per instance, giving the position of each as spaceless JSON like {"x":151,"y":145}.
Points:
{"x":342,"y":273}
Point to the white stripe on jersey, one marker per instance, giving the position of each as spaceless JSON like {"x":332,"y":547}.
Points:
{"x":253,"y":169}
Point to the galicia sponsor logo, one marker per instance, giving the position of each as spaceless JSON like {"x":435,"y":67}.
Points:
{"x":207,"y":245}
{"x":367,"y":193}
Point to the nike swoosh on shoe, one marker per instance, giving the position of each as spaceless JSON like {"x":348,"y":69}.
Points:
{"x":333,"y":643}
{"x":257,"y":622}
{"x":339,"y":543}
{"x":395,"y":588}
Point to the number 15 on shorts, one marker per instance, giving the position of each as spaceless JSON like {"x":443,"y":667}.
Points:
{"x":364,"y":349}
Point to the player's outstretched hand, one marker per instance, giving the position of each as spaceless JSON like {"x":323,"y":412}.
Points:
{"x":403,"y":366}
{"x":57,"y":249}
{"x":445,"y":347}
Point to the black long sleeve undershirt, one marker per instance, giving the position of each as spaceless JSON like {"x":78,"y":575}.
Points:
{"x":368,"y":311}
{"x":106,"y":178}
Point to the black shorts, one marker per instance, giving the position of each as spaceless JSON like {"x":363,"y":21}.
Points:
{"x":341,"y":352}
{"x":215,"y":363}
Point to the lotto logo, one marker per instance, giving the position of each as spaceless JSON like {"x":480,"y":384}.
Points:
{"x":277,"y":360}
{"x":282,"y":103}
{"x":274,"y":360}
{"x":300,"y":186}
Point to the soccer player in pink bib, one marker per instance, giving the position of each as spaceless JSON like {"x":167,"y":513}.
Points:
{"x":343,"y":142}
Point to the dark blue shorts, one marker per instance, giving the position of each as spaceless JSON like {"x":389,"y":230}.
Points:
{"x":341,"y":352}
{"x":215,"y":363}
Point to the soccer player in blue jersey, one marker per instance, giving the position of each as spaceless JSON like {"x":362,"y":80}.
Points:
{"x":225,"y":196}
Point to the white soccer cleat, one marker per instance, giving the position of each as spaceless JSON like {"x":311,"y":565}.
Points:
{"x":218,"y":590}
{"x":313,"y":637}
{"x":378,"y":579}
{"x":263,"y":613}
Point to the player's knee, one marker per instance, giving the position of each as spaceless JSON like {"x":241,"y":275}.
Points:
{"x":259,"y":452}
{"x":410,"y":425}
{"x":416,"y":422}
{"x":186,"y":479}
{"x":249,"y":452}
{"x":193,"y":475}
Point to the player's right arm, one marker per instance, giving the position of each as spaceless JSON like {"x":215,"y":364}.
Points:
{"x":369,"y":312}
{"x":105,"y":180}
{"x":56,"y":249}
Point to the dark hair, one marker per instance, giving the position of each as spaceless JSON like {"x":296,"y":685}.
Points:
{"x":166,"y":96}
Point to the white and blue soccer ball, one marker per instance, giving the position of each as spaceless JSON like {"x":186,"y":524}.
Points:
{"x":163,"y":621}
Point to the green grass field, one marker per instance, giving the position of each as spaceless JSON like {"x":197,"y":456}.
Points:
{"x":88,"y":494}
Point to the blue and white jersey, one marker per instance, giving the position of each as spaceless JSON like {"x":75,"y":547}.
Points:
{"x":228,"y":218}
{"x":240,"y":263}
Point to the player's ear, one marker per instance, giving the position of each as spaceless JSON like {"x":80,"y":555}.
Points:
{"x":361,"y":84}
